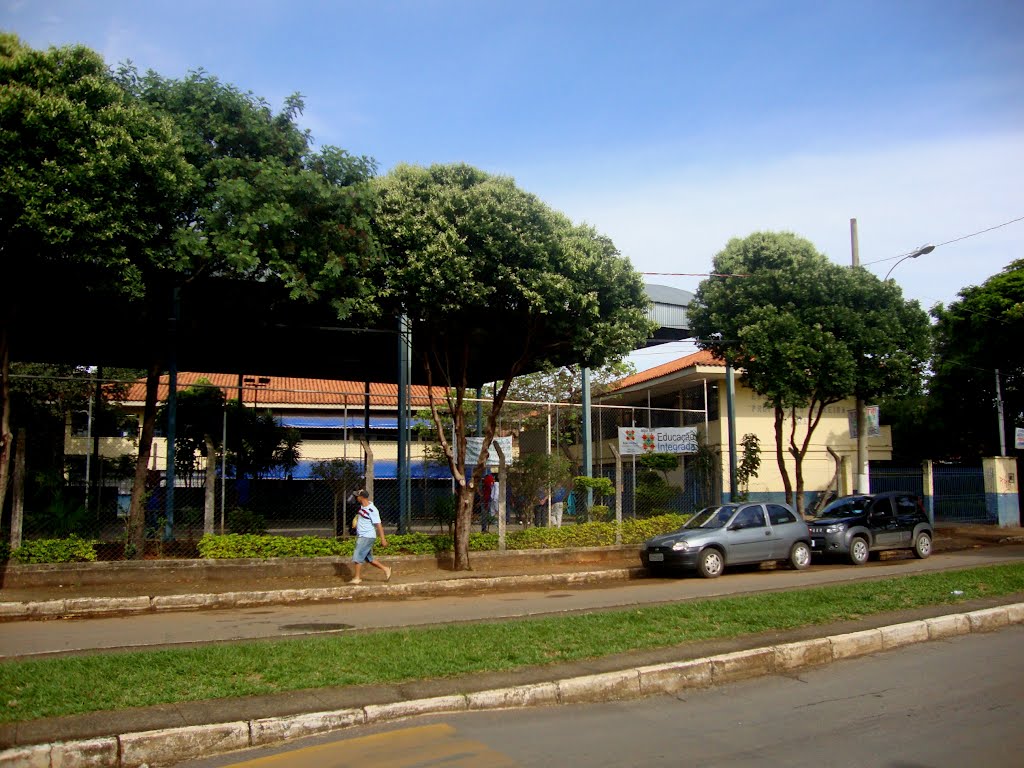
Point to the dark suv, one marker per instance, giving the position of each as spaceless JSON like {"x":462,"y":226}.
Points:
{"x":856,"y":526}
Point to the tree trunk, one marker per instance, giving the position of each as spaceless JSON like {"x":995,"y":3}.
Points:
{"x":6,"y":436}
{"x":136,"y":538}
{"x":18,"y":497}
{"x":463,"y":522}
{"x":780,"y":454}
{"x":799,"y":461}
{"x":210,"y":495}
{"x":814,"y":414}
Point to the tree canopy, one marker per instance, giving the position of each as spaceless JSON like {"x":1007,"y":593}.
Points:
{"x":91,"y":180}
{"x":975,"y":336}
{"x":144,"y":186}
{"x":90,"y":185}
{"x":806,"y":333}
{"x":264,"y":205}
{"x":474,"y":261}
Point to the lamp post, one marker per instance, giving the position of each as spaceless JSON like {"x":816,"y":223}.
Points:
{"x":913,"y":255}
{"x":862,"y":478}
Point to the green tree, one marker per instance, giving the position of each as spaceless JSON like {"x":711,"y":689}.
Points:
{"x":560,"y":385}
{"x":653,"y":489}
{"x":261,"y":206}
{"x":975,"y":336}
{"x":90,"y":185}
{"x":266,"y":449}
{"x":199,"y":426}
{"x":533,"y":477}
{"x":806,"y":333}
{"x":749,"y":464}
{"x":342,"y":477}
{"x":469,"y":258}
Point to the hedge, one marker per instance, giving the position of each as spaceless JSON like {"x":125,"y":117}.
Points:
{"x":249,"y":545}
{"x":235,"y":545}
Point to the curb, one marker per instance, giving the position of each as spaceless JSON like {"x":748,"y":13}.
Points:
{"x":81,"y":607}
{"x":173,"y":745}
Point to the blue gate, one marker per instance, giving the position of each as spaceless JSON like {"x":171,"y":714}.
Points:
{"x":958,"y":492}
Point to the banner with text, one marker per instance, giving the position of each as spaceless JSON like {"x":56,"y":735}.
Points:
{"x":637,"y":440}
{"x":476,"y":444}
{"x":871,"y":414}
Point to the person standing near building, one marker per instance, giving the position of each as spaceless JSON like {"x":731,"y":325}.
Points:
{"x":486,"y":491}
{"x":495,"y":495}
{"x":368,"y":529}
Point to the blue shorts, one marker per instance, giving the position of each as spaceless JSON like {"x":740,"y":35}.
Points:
{"x":364,"y":550}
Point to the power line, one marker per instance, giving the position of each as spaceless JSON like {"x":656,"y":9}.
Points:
{"x":954,"y":240}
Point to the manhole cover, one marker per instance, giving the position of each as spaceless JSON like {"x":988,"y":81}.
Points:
{"x":315,"y":627}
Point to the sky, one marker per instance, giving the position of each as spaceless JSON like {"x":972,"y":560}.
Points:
{"x":671,"y":127}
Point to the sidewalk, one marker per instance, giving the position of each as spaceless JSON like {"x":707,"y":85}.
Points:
{"x":163,"y":735}
{"x":118,"y":588}
{"x":91,"y":589}
{"x":169,"y":734}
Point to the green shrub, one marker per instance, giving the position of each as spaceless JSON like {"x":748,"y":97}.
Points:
{"x":244,"y":521}
{"x":652,"y":492}
{"x":70,"y":550}
{"x":567,"y":537}
{"x":444,"y":511}
{"x":62,"y":516}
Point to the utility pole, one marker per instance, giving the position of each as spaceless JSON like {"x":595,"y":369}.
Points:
{"x":999,"y":410}
{"x":861,"y":478}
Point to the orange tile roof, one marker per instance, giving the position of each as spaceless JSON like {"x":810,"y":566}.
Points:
{"x":289,"y":391}
{"x":703,"y":357}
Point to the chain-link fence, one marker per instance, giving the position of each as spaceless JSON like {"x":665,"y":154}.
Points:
{"x":288,"y":463}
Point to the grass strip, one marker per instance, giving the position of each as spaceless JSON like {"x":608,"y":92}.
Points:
{"x":61,"y":686}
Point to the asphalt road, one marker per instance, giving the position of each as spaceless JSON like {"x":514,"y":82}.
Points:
{"x":945,"y":703}
{"x":33,"y":638}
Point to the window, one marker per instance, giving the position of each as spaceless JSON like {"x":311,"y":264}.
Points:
{"x":779,"y":515}
{"x":751,"y":517}
{"x":906,"y":505}
{"x":882,"y":508}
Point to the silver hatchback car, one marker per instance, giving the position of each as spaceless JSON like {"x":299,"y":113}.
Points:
{"x":731,"y":534}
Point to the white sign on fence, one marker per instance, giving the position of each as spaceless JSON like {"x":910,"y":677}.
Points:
{"x":476,"y":444}
{"x":1018,"y":442}
{"x":637,"y":440}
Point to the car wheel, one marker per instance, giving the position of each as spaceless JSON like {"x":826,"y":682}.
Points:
{"x":859,"y":551}
{"x":800,"y":556}
{"x":711,"y":563}
{"x":922,"y":545}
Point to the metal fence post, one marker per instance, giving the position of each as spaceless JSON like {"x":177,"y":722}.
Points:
{"x":928,"y":486}
{"x":618,"y":494}
{"x":502,"y":491}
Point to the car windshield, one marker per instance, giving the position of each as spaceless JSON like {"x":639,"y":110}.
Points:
{"x":846,"y":507}
{"x":711,"y":517}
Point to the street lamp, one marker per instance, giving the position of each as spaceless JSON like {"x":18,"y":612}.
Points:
{"x":861,"y":477}
{"x":256,"y":384}
{"x":912,"y":255}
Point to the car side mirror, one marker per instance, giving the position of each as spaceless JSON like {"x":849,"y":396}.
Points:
{"x":736,"y":527}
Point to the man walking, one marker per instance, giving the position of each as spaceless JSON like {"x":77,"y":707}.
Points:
{"x":367,"y":529}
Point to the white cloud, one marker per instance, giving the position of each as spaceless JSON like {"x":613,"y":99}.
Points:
{"x":902,"y":197}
